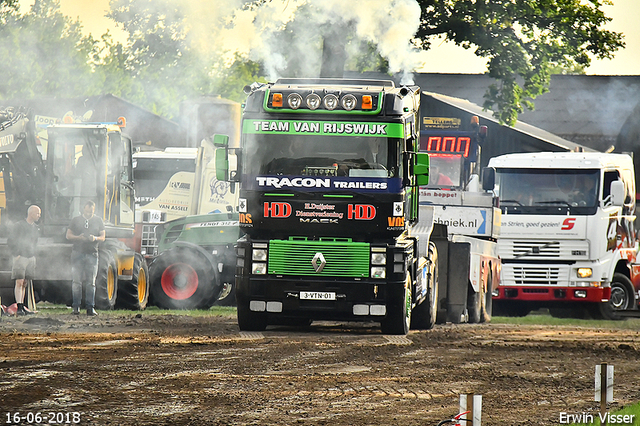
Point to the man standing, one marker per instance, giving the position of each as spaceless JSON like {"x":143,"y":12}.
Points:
{"x":86,"y":231}
{"x":23,"y":243}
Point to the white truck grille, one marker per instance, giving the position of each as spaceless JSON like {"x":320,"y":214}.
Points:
{"x":571,"y":250}
{"x":514,"y":274}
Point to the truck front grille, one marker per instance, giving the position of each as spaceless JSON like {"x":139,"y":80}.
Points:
{"x":543,"y":249}
{"x":295,"y":257}
{"x":534,"y":275}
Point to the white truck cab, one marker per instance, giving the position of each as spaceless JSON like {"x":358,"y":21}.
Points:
{"x":567,"y":238}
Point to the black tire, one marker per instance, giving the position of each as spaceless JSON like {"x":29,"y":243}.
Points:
{"x":487,"y":306}
{"x":622,"y":298}
{"x":510,"y":308}
{"x":249,"y":320}
{"x":227,"y":295}
{"x":424,"y":315}
{"x":106,"y":281}
{"x":183,"y":278}
{"x":474,"y":304}
{"x":134,"y":294}
{"x":398,"y":320}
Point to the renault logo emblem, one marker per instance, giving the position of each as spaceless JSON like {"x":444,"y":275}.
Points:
{"x":318,"y":262}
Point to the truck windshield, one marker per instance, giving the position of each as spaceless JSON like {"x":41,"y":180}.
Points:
{"x":544,"y":190}
{"x":152,"y":175}
{"x":298,"y":155}
{"x":445,"y":170}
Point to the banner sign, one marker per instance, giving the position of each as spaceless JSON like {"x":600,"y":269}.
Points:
{"x":324,"y":128}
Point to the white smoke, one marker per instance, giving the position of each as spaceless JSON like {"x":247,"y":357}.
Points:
{"x":231,"y":29}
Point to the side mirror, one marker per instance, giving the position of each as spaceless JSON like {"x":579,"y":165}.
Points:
{"x":222,"y":164}
{"x":421,"y":168}
{"x":488,"y":178}
{"x":617,"y":193}
{"x":221,"y":140}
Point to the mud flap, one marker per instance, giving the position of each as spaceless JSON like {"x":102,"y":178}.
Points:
{"x":458,"y":280}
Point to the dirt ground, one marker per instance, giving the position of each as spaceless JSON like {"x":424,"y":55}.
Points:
{"x":143,"y":369}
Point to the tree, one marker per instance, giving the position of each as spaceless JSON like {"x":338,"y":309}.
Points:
{"x":44,"y":53}
{"x":523,"y":41}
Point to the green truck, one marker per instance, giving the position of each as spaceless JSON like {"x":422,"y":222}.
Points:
{"x":329,"y":172}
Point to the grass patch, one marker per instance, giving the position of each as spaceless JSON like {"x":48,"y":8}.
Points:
{"x":632,"y":410}
{"x":543,"y":318}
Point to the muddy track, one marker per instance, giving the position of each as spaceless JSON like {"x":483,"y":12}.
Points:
{"x":169,"y":370}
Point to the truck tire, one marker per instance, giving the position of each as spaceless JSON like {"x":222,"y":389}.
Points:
{"x":424,"y":315}
{"x":134,"y":294}
{"x":106,"y":281}
{"x":183,"y":278}
{"x":487,"y":309}
{"x":622,"y":298}
{"x":227,"y":296}
{"x":398,"y":318}
{"x":249,"y":320}
{"x":475,"y":304}
{"x":510,"y":308}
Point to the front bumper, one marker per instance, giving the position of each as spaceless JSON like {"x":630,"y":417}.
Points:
{"x":353,"y":300}
{"x":553,"y":294}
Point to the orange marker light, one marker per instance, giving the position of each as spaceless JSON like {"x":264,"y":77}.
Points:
{"x":367,"y":102}
{"x":276,"y":100}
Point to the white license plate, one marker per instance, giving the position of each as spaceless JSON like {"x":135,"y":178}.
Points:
{"x":317,"y":295}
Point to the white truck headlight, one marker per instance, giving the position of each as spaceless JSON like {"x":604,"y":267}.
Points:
{"x":378,"y":272}
{"x":584,"y":272}
{"x":259,"y":268}
{"x":259,"y":255}
{"x":378,"y":258}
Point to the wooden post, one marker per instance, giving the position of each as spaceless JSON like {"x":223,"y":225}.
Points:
{"x":473,"y":404}
{"x":603,"y":391}
{"x":604,"y":387}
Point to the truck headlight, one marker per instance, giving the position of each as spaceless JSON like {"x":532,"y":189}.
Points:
{"x":259,"y":255}
{"x":349,"y":102}
{"x":584,"y":272}
{"x":378,"y":272}
{"x":313,"y":101}
{"x":294,"y":100}
{"x":378,"y":258}
{"x":330,"y":102}
{"x":259,"y":268}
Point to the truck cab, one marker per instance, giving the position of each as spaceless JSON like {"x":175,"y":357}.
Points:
{"x":329,"y":173}
{"x":464,"y":206}
{"x":568,"y":238}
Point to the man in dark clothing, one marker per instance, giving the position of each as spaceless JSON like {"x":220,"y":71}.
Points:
{"x":23,"y":243}
{"x":86,"y":231}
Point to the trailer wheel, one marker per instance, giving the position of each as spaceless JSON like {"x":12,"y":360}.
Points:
{"x":134,"y":294}
{"x":622,"y":298}
{"x":424,"y":315}
{"x":106,"y":281}
{"x":183,"y":278}
{"x":398,"y":318}
{"x":249,"y":320}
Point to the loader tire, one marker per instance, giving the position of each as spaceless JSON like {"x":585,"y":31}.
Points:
{"x":134,"y":294}
{"x":106,"y":281}
{"x":183,"y":278}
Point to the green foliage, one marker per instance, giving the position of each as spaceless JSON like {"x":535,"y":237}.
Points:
{"x":44,"y":53}
{"x":523,"y":41}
